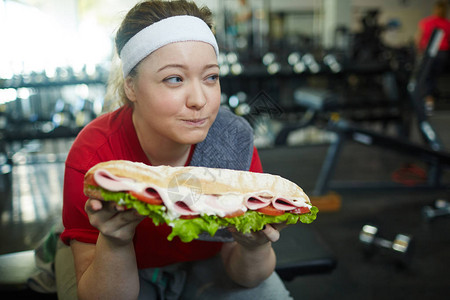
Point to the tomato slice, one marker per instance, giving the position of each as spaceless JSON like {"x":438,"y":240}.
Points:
{"x":154,"y":199}
{"x":300,"y":210}
{"x":270,"y":210}
{"x":235,"y":214}
{"x":89,"y":180}
{"x":188,"y":217}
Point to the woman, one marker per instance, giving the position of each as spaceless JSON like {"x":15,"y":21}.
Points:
{"x":170,"y":116}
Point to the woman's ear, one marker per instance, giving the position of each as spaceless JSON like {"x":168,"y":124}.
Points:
{"x":129,"y":88}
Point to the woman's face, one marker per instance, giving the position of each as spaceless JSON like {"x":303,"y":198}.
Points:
{"x":176,"y":93}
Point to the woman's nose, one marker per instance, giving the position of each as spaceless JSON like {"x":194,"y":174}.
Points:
{"x":197,"y":97}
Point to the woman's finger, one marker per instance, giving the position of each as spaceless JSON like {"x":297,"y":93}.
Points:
{"x":101,"y":212}
{"x":271,"y":233}
{"x":279,"y":226}
{"x":128,"y":216}
{"x":93,"y":205}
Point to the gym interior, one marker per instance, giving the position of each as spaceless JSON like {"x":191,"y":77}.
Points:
{"x":335,"y":93}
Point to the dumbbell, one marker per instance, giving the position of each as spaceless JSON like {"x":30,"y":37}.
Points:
{"x":441,"y":209}
{"x":295,"y":60}
{"x":331,"y":61}
{"x":270,"y":60}
{"x":309,"y":61}
{"x":400,"y":248}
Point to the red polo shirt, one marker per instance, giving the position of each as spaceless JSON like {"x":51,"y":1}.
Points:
{"x":427,"y":25}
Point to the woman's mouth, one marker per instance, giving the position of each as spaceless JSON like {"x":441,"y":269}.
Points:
{"x":195,"y":122}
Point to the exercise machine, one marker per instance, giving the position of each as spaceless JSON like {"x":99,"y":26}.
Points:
{"x":322,"y":106}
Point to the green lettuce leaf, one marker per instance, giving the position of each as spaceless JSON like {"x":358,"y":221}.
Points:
{"x":155,"y":212}
{"x":189,"y":229}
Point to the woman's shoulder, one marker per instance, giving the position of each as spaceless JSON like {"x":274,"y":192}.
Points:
{"x":229,"y":143}
{"x":94,"y":136}
{"x":226,"y":119}
{"x":101,"y":127}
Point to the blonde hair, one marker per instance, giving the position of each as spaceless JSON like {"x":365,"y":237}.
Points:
{"x":115,"y":94}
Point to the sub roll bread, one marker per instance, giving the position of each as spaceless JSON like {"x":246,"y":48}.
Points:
{"x":194,"y":200}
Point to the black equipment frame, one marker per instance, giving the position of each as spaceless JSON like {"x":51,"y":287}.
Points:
{"x":432,"y":152}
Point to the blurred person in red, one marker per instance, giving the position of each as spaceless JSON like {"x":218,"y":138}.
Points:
{"x":426,"y":26}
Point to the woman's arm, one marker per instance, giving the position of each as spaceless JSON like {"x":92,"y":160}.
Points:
{"x":108,"y":269}
{"x":251,"y":259}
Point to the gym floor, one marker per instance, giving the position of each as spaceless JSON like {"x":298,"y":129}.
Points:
{"x":32,"y":208}
{"x":382,"y":275}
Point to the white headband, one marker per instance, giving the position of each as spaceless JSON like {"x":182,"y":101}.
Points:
{"x":169,"y":30}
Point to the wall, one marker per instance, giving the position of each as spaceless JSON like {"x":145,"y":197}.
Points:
{"x":308,"y":20}
{"x":408,"y":12}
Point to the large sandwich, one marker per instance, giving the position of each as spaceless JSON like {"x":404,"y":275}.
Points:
{"x":195,"y":200}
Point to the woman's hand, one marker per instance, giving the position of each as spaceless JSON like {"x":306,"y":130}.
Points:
{"x":108,"y":269}
{"x":115,"y":222}
{"x":270,"y":233}
{"x":250,"y":259}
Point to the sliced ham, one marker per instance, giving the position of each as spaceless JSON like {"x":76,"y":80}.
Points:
{"x":287,"y":204}
{"x":258,"y":201}
{"x":115,"y":183}
{"x":152,"y":193}
{"x":112,"y":182}
{"x":183,"y":209}
{"x":224,"y":204}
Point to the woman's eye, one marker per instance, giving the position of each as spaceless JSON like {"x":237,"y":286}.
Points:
{"x":213,"y":78}
{"x":173,"y":79}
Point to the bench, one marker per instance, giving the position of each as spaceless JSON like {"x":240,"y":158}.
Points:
{"x":15,"y":268}
{"x":301,"y":252}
